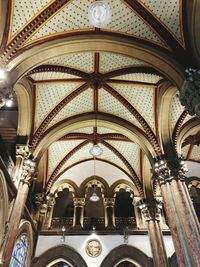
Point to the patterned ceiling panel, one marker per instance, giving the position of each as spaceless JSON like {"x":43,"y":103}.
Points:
{"x":41,"y":76}
{"x":111,"y":61}
{"x":136,"y":95}
{"x":87,"y":130}
{"x":83,"y":154}
{"x":176,"y":111}
{"x":72,"y":17}
{"x":81,"y":61}
{"x":169,"y":13}
{"x":48,"y":95}
{"x":23,"y":11}
{"x":195,"y":153}
{"x":58,"y":151}
{"x":109,"y":104}
{"x":102,"y":130}
{"x":140,"y":77}
{"x":125,"y":20}
{"x":130,"y":151}
{"x":184,"y":151}
{"x":80,"y":104}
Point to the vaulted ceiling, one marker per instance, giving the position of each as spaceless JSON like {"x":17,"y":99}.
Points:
{"x":122,"y":94}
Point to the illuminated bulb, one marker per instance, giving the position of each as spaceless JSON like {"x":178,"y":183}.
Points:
{"x":94,"y":197}
{"x":2,"y":75}
{"x":99,"y":14}
{"x":96,"y":151}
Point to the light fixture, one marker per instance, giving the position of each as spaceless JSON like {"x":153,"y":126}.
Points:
{"x":62,"y":239}
{"x":2,"y":75}
{"x":99,"y":14}
{"x":94,"y":197}
{"x":96,"y":151}
{"x":6,"y":99}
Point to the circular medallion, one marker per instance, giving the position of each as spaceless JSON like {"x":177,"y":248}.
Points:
{"x":93,"y":248}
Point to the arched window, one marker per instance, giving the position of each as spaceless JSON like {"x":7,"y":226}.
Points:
{"x":20,"y":251}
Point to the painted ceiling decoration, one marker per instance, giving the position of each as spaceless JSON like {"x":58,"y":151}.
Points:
{"x":97,"y":83}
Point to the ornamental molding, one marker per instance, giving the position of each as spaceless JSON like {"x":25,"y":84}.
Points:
{"x":28,"y":170}
{"x":79,"y":201}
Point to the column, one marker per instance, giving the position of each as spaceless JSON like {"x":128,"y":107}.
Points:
{"x":39,"y":199}
{"x":138,"y":217}
{"x":109,"y":212}
{"x":26,"y":178}
{"x":181,"y":219}
{"x":151,"y":214}
{"x":50,"y":206}
{"x":79,"y":204}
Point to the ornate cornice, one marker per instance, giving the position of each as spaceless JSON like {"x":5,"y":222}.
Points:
{"x":178,"y":127}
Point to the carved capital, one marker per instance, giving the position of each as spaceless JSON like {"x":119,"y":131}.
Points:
{"x":79,"y":201}
{"x":28,"y":169}
{"x":151,"y":212}
{"x":190,"y":92}
{"x":39,"y":198}
{"x":109,"y":202}
{"x":22,"y":151}
{"x":51,"y":201}
{"x":162,"y":171}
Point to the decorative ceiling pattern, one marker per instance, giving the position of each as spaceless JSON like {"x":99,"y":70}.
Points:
{"x":128,"y":22}
{"x":81,"y":104}
{"x":83,"y":154}
{"x":184,"y":151}
{"x":112,"y":61}
{"x":57,"y":151}
{"x":87,"y":130}
{"x":109,"y":104}
{"x":22,"y":13}
{"x":81,"y":61}
{"x":102,"y":130}
{"x":169,"y":13}
{"x":48,"y":95}
{"x":140,"y":77}
{"x":176,"y":111}
{"x":130,"y":151}
{"x":195,"y":153}
{"x":43,"y":76}
{"x":77,"y":20}
{"x":136,"y":95}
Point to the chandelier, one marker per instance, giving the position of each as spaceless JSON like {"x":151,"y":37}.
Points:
{"x":99,"y":14}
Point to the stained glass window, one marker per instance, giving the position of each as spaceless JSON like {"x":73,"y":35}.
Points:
{"x":19,"y":255}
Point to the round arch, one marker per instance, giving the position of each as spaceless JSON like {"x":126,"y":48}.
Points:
{"x":64,"y":252}
{"x":88,"y":120}
{"x":64,"y":184}
{"x":3,"y":205}
{"x":127,"y":252}
{"x":38,"y":54}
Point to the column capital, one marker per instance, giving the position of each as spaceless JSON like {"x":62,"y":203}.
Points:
{"x":189,"y":93}
{"x":22,"y":151}
{"x":151,"y":211}
{"x":79,"y":201}
{"x":51,"y":201}
{"x":28,"y":169}
{"x":39,"y":198}
{"x":109,"y":201}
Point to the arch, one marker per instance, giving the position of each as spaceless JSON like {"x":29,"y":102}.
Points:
{"x":126,"y":185}
{"x":88,"y":120}
{"x":63,"y":184}
{"x":98,"y":179}
{"x":57,"y":261}
{"x":3,"y":205}
{"x":123,"y":252}
{"x":23,"y":92}
{"x":36,"y":55}
{"x":189,"y":128}
{"x":26,"y":229}
{"x":62,"y":251}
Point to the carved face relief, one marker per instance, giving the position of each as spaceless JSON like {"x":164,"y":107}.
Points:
{"x":93,"y":248}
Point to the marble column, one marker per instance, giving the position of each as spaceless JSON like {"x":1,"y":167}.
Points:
{"x":79,"y":204}
{"x":50,"y":206}
{"x":109,"y":212}
{"x":151,"y":214}
{"x":181,"y":219}
{"x":26,"y":178}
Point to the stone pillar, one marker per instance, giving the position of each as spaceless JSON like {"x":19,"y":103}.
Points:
{"x":181,"y":219}
{"x":79,"y":204}
{"x":109,"y":212}
{"x":39,"y":199}
{"x":50,"y":206}
{"x":151,"y":214}
{"x":136,"y":201}
{"x":26,"y":178}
